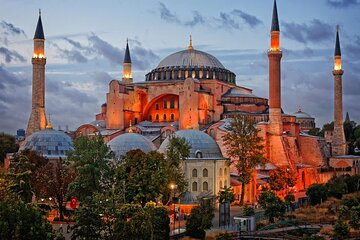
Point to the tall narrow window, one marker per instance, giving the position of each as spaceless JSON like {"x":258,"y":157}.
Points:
{"x":157,"y":106}
{"x":220,"y":171}
{"x":164,"y":117}
{"x":172,"y":116}
{"x":205,"y":186}
{"x":194,"y":186}
{"x":225,"y":184}
{"x":150,"y":117}
{"x":205,"y":172}
{"x":172,"y":103}
{"x":165,"y":104}
{"x":157,"y":117}
{"x":220,"y":185}
{"x":194,"y":172}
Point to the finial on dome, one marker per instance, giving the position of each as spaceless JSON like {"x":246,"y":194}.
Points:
{"x":49,"y":125}
{"x":40,"y":12}
{"x":130,"y":127}
{"x":190,"y":44}
{"x":299,"y":107}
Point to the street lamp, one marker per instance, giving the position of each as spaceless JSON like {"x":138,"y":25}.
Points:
{"x":173,"y":186}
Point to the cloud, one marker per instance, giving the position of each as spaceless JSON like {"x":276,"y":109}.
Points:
{"x":251,"y":20}
{"x":342,"y":3}
{"x":11,"y":56}
{"x":197,"y":19}
{"x":227,"y":21}
{"x":353,"y":49}
{"x":314,"y":32}
{"x":10,"y":29}
{"x":167,"y":15}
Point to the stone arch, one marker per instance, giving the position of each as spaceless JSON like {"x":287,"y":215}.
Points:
{"x":151,"y":109}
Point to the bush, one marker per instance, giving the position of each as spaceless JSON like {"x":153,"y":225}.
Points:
{"x":248,"y":211}
{"x":317,"y":193}
{"x":274,"y":207}
{"x":337,"y":187}
{"x":224,"y":236}
{"x":199,"y":220}
{"x":341,"y":230}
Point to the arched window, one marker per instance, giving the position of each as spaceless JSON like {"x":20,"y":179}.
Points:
{"x":225,"y":171}
{"x":172,"y":102}
{"x":150,"y":117}
{"x":164,"y":117}
{"x":194,"y":172}
{"x":194,"y":186}
{"x":198,"y":154}
{"x":225,"y":184}
{"x":205,"y":186}
{"x":220,"y":184}
{"x":157,"y":106}
{"x":205,"y":172}
{"x":220,"y":171}
{"x":157,"y":117}
{"x":172,"y":116}
{"x":165,"y":104}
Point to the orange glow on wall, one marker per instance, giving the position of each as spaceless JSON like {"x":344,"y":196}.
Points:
{"x":275,"y":41}
{"x":164,"y":109}
{"x":337,"y":63}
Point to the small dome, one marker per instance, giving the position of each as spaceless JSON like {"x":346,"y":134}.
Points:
{"x":49,"y":143}
{"x":300,"y":114}
{"x":130,"y":141}
{"x":202,"y":145}
{"x":190,"y":58}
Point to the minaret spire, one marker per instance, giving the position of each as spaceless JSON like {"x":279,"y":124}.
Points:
{"x":37,"y":120}
{"x":127,"y":73}
{"x":275,"y":21}
{"x":339,"y":147}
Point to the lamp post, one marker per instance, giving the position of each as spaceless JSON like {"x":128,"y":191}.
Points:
{"x":173,"y":186}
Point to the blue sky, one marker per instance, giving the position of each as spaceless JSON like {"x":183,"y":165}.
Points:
{"x":85,"y":42}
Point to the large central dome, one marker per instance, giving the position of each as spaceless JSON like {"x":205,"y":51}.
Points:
{"x":190,"y":63}
{"x":190,"y":58}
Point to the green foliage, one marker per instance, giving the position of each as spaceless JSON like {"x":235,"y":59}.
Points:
{"x":273,"y":206}
{"x":7,"y":145}
{"x":133,"y":222}
{"x":282,"y":178}
{"x":91,"y":160}
{"x":244,"y":147}
{"x":145,"y":177}
{"x":316,"y":132}
{"x":248,"y":211}
{"x":355,"y":217}
{"x":289,"y":200}
{"x":317,"y":193}
{"x":341,"y":230}
{"x":337,"y":186}
{"x":352,"y":182}
{"x":199,"y":220}
{"x":226,"y":194}
{"x":23,"y":221}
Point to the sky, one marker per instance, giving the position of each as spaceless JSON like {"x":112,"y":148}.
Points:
{"x":85,"y":41}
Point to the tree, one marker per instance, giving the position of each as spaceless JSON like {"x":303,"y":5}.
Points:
{"x":248,"y":211}
{"x":336,"y":186}
{"x":289,"y":199}
{"x":199,"y":220}
{"x":159,"y":172}
{"x":226,"y":194}
{"x":355,"y":217}
{"x":273,"y":206}
{"x":282,"y":178}
{"x":93,"y":169}
{"x":317,"y":193}
{"x":316,"y":132}
{"x":56,"y":176}
{"x":19,"y":220}
{"x":7,"y":145}
{"x":245,"y":148}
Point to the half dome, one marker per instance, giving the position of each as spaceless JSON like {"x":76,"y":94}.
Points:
{"x":130,"y":141}
{"x":202,"y":145}
{"x":49,"y":143}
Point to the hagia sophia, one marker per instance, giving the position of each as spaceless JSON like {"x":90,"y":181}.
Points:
{"x":191,"y":94}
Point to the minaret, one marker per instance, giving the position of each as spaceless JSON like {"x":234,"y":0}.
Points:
{"x":339,"y":142}
{"x":274,"y":55}
{"x":37,"y":120}
{"x":127,"y":74}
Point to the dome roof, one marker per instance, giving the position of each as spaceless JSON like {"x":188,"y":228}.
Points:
{"x":202,"y":145}
{"x":49,"y":143}
{"x":300,"y":114}
{"x":193,"y":58}
{"x":130,"y":141}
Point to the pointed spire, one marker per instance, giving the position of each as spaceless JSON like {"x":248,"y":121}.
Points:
{"x":337,"y":44}
{"x":190,"y":47}
{"x":347,"y":118}
{"x":39,"y":32}
{"x":127,"y":58}
{"x":275,"y":21}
